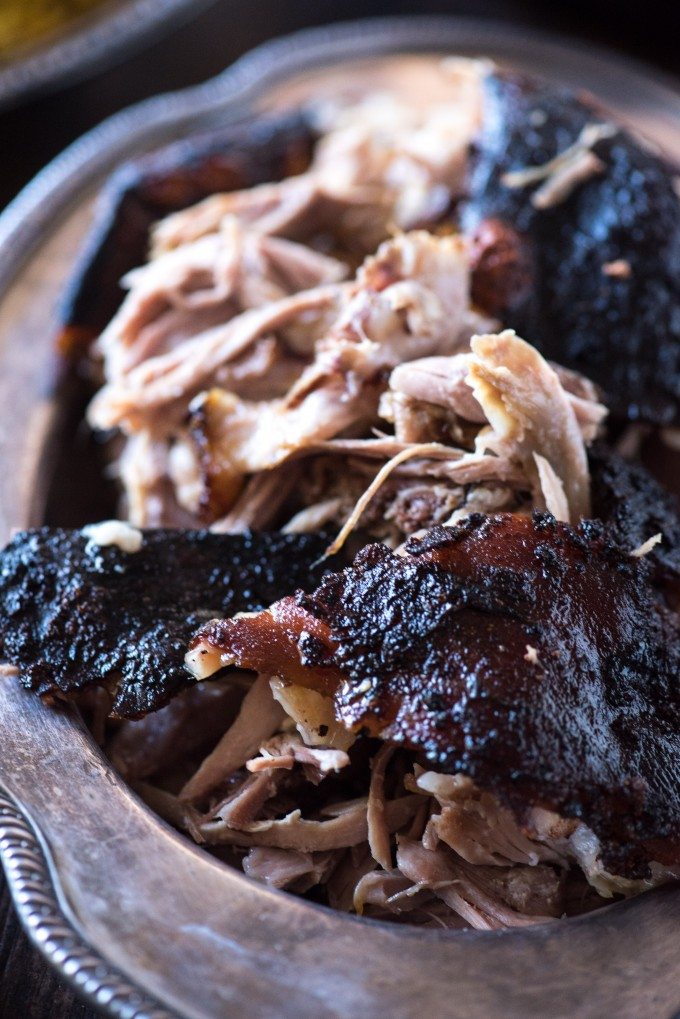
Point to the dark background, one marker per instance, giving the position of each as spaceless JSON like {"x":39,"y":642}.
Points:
{"x":32,"y":134}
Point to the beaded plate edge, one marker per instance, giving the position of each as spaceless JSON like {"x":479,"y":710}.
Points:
{"x":36,"y":901}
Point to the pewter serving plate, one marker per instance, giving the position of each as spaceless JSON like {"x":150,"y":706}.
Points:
{"x":140,"y":920}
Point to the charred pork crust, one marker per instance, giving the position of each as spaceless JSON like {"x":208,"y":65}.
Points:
{"x":75,"y":615}
{"x":620,"y":328}
{"x":636,"y":507}
{"x":144,"y":191}
{"x":434,"y":647}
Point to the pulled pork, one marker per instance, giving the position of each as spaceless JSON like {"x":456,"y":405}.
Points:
{"x":239,"y":345}
{"x":419,"y":846}
{"x":243,"y":355}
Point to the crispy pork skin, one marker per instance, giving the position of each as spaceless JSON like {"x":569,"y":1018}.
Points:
{"x":558,"y":198}
{"x":536,"y":658}
{"x":75,"y":614}
{"x":636,"y":507}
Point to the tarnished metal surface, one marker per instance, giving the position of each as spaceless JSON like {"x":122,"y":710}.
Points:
{"x":142,"y":920}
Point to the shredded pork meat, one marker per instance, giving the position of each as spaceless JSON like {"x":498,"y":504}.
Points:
{"x":186,"y":291}
{"x":420,"y":846}
{"x":381,"y":159}
{"x":241,"y":347}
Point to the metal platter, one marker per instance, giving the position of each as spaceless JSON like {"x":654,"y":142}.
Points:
{"x":89,"y":42}
{"x":144,"y":923}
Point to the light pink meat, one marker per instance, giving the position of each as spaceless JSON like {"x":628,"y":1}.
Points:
{"x":295,"y":832}
{"x":263,"y":371}
{"x":441,"y":381}
{"x":261,"y":499}
{"x":461,"y":886}
{"x":378,"y":829}
{"x":478,"y":828}
{"x":530,"y":413}
{"x":389,"y":318}
{"x":276,"y":867}
{"x":202,"y":284}
{"x":259,"y":717}
{"x":379,"y":161}
{"x":241,"y":808}
{"x":298,"y":208}
{"x":393,"y":897}
{"x":283,"y":868}
{"x":379,"y":888}
{"x":552,"y":489}
{"x":169,"y":380}
{"x":286,"y":750}
{"x":143,"y":469}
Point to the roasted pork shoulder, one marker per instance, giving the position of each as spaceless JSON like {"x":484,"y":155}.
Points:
{"x":477,"y":722}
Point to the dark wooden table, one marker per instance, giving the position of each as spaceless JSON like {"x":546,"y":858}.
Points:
{"x":35,"y":132}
